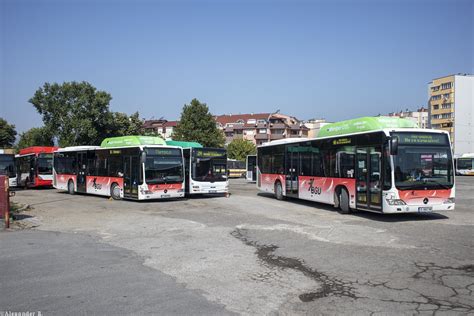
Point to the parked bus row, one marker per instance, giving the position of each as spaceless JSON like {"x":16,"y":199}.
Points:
{"x":377,"y":164}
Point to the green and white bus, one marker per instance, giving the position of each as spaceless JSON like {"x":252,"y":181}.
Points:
{"x":129,"y":167}
{"x":378,"y":164}
{"x":205,"y":168}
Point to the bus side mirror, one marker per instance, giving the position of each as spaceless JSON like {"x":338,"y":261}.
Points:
{"x":394,"y":145}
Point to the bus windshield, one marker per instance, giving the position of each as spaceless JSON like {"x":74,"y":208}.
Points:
{"x":209,"y":165}
{"x":464,"y":163}
{"x":423,"y":163}
{"x":7,"y":165}
{"x":45,"y":164}
{"x":163,"y":166}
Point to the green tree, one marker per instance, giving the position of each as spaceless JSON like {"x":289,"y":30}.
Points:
{"x":198,"y":125}
{"x":240,"y":148}
{"x":75,"y":112}
{"x":36,"y":136}
{"x":7,"y":134}
{"x":122,"y":124}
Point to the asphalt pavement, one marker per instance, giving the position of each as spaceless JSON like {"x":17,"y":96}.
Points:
{"x":247,"y":254}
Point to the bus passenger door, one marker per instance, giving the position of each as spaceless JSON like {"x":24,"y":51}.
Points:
{"x":368,"y":178}
{"x":292,"y":173}
{"x":131,"y":169}
{"x":81,"y":172}
{"x":375,"y":179}
{"x":33,"y":169}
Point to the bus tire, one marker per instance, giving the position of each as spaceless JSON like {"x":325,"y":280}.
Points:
{"x":115,"y":191}
{"x":279,"y":191}
{"x":70,"y":187}
{"x":344,"y":202}
{"x":336,"y":199}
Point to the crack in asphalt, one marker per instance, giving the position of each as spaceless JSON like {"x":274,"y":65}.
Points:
{"x":332,"y":286}
{"x":329,"y":286}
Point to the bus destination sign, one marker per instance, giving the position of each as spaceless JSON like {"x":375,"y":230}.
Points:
{"x":341,"y":141}
{"x":421,"y":138}
{"x":209,"y":153}
{"x":163,"y":152}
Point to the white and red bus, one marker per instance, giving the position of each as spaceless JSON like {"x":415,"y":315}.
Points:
{"x":35,"y":166}
{"x":465,"y":165}
{"x":205,"y":168}
{"x":376,"y":164}
{"x":129,"y":167}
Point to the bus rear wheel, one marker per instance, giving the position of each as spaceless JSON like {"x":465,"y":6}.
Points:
{"x":115,"y":192}
{"x":279,"y":191}
{"x":344,"y":202}
{"x":70,"y":187}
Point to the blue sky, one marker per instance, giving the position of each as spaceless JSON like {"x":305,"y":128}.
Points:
{"x":331,"y":59}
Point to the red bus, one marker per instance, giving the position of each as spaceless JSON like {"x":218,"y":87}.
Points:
{"x":376,"y":164}
{"x":35,"y":167}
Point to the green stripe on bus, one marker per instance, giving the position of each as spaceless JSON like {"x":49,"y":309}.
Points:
{"x":364,"y":124}
{"x":131,"y":141}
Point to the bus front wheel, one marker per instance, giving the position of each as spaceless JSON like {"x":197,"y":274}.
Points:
{"x":115,"y":192}
{"x":70,"y":187}
{"x":344,"y":202}
{"x":279,"y":191}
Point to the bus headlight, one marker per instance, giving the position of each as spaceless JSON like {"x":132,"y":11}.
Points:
{"x":449,"y":201}
{"x":396,"y":202}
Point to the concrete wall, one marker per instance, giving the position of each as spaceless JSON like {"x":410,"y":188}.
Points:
{"x":464,"y":114}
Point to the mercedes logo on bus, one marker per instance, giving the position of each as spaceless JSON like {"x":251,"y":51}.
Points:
{"x":166,"y":191}
{"x":425,"y":200}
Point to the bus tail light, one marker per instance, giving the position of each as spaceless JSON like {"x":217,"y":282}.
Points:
{"x":449,"y":201}
{"x":396,"y":202}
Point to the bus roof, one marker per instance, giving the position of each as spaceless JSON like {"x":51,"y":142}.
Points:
{"x":133,"y":140}
{"x":183,"y":144}
{"x":77,"y":148}
{"x":37,"y":150}
{"x":364,"y":124}
{"x":286,"y":141}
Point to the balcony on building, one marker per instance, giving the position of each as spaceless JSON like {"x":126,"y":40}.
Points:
{"x":278,"y":126}
{"x":276,"y":136}
{"x":261,"y":136}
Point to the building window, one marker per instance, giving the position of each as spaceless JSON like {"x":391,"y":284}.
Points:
{"x":435,"y":107}
{"x":261,"y":121}
{"x":262,"y":131}
{"x":446,"y":95}
{"x":446,"y":105}
{"x":436,"y":97}
{"x":435,"y":88}
{"x":446,"y":85}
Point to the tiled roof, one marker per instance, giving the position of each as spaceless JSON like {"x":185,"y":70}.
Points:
{"x":233,"y":118}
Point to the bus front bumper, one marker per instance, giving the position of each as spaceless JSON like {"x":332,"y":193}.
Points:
{"x":421,"y":208}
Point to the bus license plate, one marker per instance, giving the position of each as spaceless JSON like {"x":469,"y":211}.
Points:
{"x":212,"y":191}
{"x":425,"y":209}
{"x":165,"y":195}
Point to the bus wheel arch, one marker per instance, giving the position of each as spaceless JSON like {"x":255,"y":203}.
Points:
{"x":115,"y":191}
{"x":278,"y":189}
{"x":70,"y":186}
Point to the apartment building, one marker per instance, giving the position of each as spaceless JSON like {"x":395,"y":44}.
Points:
{"x":420,"y":116}
{"x":451,"y":108}
{"x":161,"y":126}
{"x":314,"y":126}
{"x":260,"y":127}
